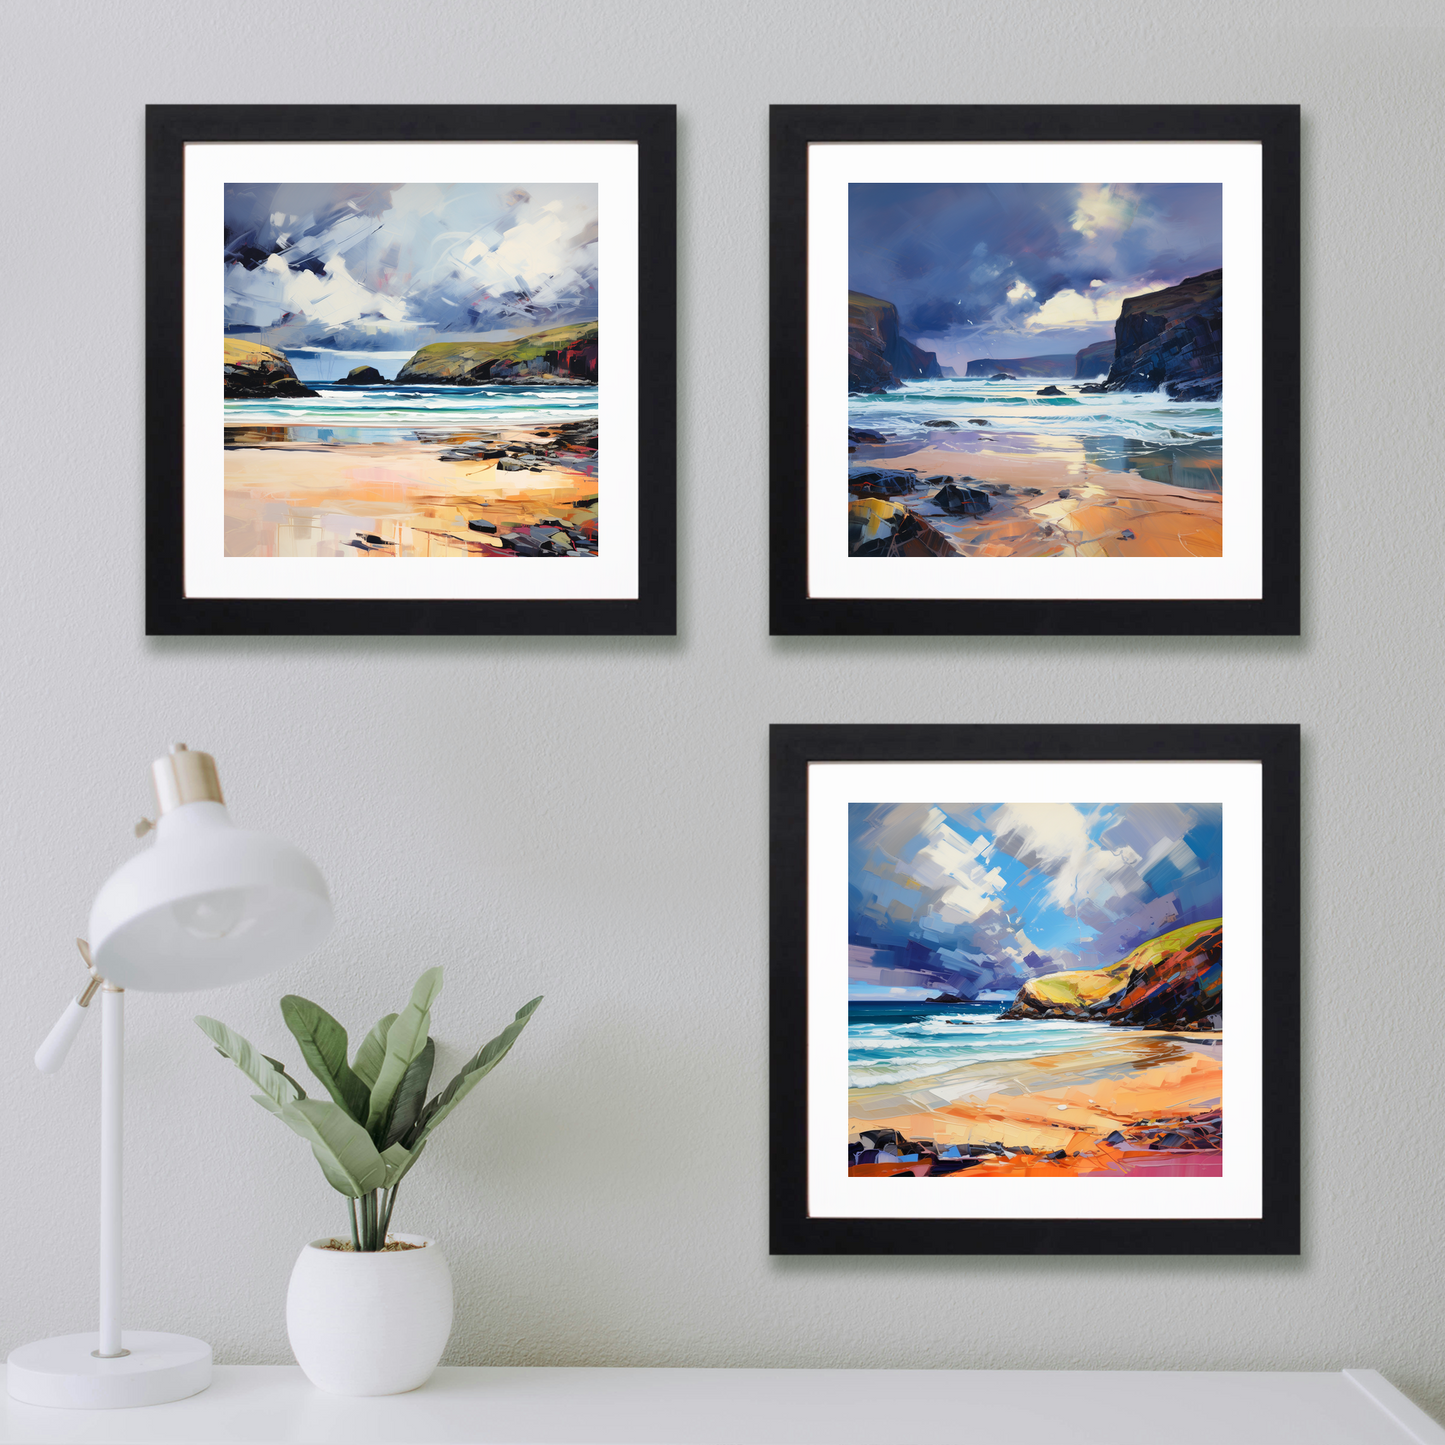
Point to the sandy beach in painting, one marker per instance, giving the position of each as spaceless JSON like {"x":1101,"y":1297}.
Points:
{"x":305,"y":492}
{"x":1050,"y":500}
{"x":1120,"y":1103}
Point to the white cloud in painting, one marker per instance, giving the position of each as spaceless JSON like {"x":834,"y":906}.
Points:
{"x":1106,"y":210}
{"x":933,"y":881}
{"x":397,"y":266}
{"x":1097,"y":882}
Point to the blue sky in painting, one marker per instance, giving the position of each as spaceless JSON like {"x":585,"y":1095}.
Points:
{"x":974,"y":897}
{"x":1024,"y":268}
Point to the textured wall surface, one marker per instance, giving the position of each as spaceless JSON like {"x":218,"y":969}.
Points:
{"x":587,"y":818}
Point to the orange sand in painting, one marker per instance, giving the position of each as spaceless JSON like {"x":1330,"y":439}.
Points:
{"x":309,"y":499}
{"x":1136,"y":1086}
{"x":1167,"y":521}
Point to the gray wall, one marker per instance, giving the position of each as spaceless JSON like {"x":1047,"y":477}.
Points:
{"x":587,"y":818}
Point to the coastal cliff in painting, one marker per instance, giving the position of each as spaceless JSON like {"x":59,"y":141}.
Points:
{"x":1035,"y":989}
{"x":879,"y":355}
{"x":956,"y":449}
{"x":479,"y":301}
{"x":1172,"y":339}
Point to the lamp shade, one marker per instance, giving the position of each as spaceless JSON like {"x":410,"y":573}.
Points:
{"x":207,"y":904}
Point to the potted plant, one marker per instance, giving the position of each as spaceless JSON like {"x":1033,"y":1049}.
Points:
{"x":369,"y":1315}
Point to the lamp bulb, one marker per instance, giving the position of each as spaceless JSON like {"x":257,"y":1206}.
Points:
{"x":211,"y":915}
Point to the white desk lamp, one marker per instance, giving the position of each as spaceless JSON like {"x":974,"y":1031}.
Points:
{"x":208,"y":904}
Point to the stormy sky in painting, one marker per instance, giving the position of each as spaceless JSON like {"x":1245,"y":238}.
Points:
{"x":977,"y":896}
{"x":1029,"y":269}
{"x":360,"y":267}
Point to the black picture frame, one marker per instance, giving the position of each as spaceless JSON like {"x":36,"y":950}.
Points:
{"x":168,"y":130}
{"x":1277,"y":130}
{"x":794,"y":747}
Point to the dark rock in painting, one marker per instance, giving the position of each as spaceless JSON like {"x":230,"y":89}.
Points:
{"x":1172,"y":338}
{"x":362,"y":376}
{"x":1048,"y":391}
{"x":877,"y":1138}
{"x":1002,"y":376}
{"x":950,"y":425}
{"x":1196,"y":390}
{"x":867,"y":482}
{"x":857,"y":434}
{"x":474,"y":451}
{"x":478,"y":525}
{"x":976,"y":421}
{"x":963,"y":501}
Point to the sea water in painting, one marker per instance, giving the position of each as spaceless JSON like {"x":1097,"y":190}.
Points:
{"x":1035,"y":989}
{"x":1035,"y":370}
{"x":411,"y":371}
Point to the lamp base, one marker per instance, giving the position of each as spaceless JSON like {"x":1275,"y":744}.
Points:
{"x":63,"y":1373}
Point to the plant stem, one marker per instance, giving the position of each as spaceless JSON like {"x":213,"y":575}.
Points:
{"x":368,"y":1222}
{"x":386,"y":1218}
{"x":355,"y":1241}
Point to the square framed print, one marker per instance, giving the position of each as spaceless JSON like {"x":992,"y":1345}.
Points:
{"x":447,"y":401}
{"x":998,"y":973}
{"x":1031,"y":416}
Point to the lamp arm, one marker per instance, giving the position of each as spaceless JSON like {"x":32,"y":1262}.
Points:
{"x":51,"y":1054}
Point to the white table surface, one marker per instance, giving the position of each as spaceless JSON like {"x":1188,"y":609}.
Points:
{"x":275,"y":1405}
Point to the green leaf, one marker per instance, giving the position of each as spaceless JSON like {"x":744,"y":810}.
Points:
{"x":367,"y":1063}
{"x":268,"y":1104}
{"x":281,"y":1069}
{"x":398,"y":1159}
{"x":323,"y":1045}
{"x":410,"y":1096}
{"x":472,"y":1073}
{"x":405,"y":1039}
{"x":249,"y":1060}
{"x":343,"y":1149}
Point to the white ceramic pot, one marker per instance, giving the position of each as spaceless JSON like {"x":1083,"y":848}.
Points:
{"x":369,"y":1324}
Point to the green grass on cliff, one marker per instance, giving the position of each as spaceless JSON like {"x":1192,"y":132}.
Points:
{"x":1078,"y":988}
{"x":446,"y":358}
{"x":1156,"y":948}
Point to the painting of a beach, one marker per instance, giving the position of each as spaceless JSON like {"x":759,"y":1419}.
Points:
{"x":1035,"y":370}
{"x":1035,"y":990}
{"x":411,"y":371}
